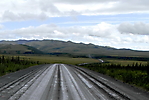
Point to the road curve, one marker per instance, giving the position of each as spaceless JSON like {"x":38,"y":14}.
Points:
{"x":66,"y":82}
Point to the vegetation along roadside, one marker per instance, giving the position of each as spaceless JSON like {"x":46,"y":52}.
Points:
{"x":12,"y":64}
{"x":136,"y":74}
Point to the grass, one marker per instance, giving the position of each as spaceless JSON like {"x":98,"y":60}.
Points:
{"x":64,"y":60}
{"x":125,"y":62}
{"x":10,"y":63}
{"x":74,"y":61}
{"x":55,"y":59}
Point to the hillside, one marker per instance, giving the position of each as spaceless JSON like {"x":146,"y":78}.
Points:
{"x":63,"y":47}
{"x":53,"y":46}
{"x":18,"y":49}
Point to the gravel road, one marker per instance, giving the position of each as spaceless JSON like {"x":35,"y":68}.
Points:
{"x":65,"y":82}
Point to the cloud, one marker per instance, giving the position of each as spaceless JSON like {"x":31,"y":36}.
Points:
{"x":101,"y":30}
{"x":16,"y":10}
{"x":54,"y":31}
{"x":122,"y":7}
{"x":11,"y":16}
{"x":136,"y":28}
{"x":100,"y":7}
{"x":1,"y":26}
{"x":104,"y":34}
{"x":46,"y":6}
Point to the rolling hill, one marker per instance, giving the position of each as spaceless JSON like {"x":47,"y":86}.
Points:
{"x":18,"y":49}
{"x":63,"y":47}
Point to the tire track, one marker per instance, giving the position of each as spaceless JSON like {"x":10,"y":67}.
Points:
{"x":11,"y":88}
{"x":127,"y":94}
{"x":63,"y":82}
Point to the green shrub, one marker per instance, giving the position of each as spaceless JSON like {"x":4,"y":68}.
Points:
{"x":136,"y":74}
{"x":12,"y":64}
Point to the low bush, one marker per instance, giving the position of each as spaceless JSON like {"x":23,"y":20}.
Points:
{"x":12,"y":64}
{"x":135,"y":74}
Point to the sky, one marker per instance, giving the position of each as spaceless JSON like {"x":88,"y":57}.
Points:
{"x":114,"y":23}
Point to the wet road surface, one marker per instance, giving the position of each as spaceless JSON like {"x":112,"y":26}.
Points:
{"x":65,"y":82}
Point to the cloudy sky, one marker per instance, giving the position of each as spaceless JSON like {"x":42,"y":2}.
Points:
{"x":115,"y":23}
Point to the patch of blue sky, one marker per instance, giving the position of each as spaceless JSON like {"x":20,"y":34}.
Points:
{"x":21,"y":24}
{"x":80,"y":20}
{"x":116,"y":19}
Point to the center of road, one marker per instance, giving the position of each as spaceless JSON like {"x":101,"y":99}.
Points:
{"x":64,"y":82}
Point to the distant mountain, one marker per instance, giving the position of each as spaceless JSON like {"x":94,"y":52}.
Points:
{"x":54,"y":46}
{"x":63,"y":47}
{"x":16,"y":42}
{"x":18,"y":49}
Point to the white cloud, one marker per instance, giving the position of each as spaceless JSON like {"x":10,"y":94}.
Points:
{"x":16,"y":10}
{"x":10,"y":16}
{"x":101,"y":34}
{"x":83,"y":1}
{"x":136,"y":28}
{"x":1,"y":26}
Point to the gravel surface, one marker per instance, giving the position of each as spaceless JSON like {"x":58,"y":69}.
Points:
{"x":65,"y":82}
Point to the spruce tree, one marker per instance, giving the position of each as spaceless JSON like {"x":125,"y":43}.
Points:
{"x":147,"y":68}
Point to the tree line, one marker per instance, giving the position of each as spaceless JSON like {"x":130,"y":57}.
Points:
{"x":12,"y":64}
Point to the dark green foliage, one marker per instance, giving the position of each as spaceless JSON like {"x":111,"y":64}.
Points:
{"x":33,"y":50}
{"x":136,"y":74}
{"x":8,"y":65}
{"x":147,"y":68}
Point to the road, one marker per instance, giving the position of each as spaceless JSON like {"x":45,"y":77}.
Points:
{"x":65,"y":82}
